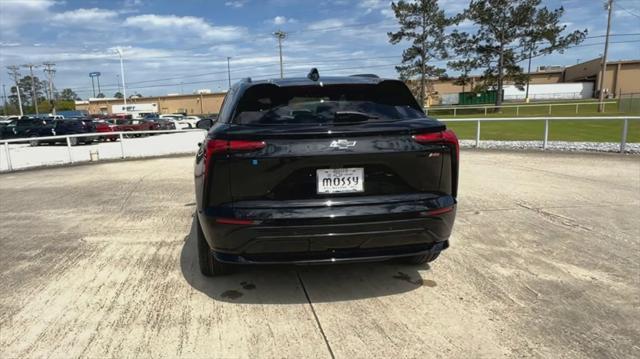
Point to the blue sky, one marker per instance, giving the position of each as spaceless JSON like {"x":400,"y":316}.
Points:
{"x":181,"y":46}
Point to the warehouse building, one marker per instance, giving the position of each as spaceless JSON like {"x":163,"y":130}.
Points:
{"x":196,"y":104}
{"x":555,"y":82}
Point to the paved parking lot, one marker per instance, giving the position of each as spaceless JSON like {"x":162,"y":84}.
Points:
{"x":99,"y":261}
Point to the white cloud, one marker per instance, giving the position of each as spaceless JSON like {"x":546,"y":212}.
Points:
{"x":235,"y":3}
{"x":280,"y":20}
{"x":371,"y":5}
{"x":326,"y":23}
{"x":184,"y":25}
{"x":18,"y":12}
{"x":84,"y":16}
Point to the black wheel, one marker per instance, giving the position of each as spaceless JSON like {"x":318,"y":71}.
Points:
{"x":34,"y":143}
{"x":209,"y":266}
{"x":421,"y":259}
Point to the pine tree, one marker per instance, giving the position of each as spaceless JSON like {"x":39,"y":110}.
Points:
{"x":422,"y":24}
{"x":510,"y":31}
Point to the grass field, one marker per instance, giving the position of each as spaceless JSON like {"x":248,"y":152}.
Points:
{"x":559,"y":130}
{"x":557,"y":109}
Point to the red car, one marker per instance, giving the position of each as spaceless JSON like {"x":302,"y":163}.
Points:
{"x":133,"y":125}
{"x":103,"y":126}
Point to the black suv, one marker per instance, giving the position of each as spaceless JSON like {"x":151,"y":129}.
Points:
{"x":323,"y":170}
{"x":65,"y":127}
{"x":24,"y":127}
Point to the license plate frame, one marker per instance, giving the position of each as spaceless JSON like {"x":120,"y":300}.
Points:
{"x":353,"y":182}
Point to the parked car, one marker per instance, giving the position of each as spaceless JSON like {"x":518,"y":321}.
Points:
{"x":23,"y":127}
{"x":163,"y":124}
{"x":181,"y":122}
{"x":134,"y":125}
{"x":64,"y":127}
{"x":191,"y":120}
{"x":105,"y":127}
{"x":306,"y":172}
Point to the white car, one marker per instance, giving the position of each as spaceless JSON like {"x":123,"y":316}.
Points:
{"x":182,"y":122}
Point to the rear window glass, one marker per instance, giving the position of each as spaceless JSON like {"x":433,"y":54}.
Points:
{"x":269,"y":104}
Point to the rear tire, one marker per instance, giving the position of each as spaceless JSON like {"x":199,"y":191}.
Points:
{"x":34,"y":143}
{"x":421,"y":259}
{"x":209,"y":266}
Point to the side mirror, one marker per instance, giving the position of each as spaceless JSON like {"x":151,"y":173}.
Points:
{"x":204,"y":124}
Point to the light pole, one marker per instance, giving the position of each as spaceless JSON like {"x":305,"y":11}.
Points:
{"x":229,"y":70}
{"x":124,"y":87}
{"x":280,"y":35}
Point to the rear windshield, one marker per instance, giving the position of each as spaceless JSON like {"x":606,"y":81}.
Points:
{"x":269,"y":104}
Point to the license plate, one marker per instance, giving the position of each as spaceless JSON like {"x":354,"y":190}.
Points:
{"x":340,"y":180}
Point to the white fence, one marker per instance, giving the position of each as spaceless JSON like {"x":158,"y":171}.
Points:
{"x":121,"y":152}
{"x":549,"y":106}
{"x":545,"y":140}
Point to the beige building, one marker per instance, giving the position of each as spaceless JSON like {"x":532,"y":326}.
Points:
{"x":622,"y":77}
{"x":197,"y":104}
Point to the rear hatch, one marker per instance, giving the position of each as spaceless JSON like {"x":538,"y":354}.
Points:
{"x":363,"y":160}
{"x":348,"y":144}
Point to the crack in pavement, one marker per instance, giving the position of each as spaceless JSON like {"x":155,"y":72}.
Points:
{"x":554,"y":218}
{"x":315,"y":315}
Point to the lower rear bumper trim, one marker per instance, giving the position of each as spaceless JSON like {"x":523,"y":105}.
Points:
{"x":311,"y":258}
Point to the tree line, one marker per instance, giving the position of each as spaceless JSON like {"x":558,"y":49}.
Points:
{"x":62,"y":100}
{"x":504,"y":34}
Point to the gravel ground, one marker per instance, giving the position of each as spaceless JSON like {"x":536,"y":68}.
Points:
{"x":100,"y":262}
{"x":554,"y":146}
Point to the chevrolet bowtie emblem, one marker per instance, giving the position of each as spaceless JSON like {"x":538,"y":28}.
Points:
{"x":342,"y":144}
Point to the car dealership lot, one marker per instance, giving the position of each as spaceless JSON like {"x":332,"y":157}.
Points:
{"x":100,"y":260}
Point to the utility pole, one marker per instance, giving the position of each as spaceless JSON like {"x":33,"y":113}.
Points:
{"x":229,"y":70}
{"x":280,"y":35}
{"x":4,"y":97}
{"x":50,"y":71}
{"x":15,"y":74}
{"x":34,"y":98}
{"x":603,"y":72}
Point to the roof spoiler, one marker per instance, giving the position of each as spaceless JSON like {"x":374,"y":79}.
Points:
{"x":374,"y":76}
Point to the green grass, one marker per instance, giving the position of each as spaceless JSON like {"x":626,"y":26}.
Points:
{"x":565,"y":109}
{"x":559,"y":130}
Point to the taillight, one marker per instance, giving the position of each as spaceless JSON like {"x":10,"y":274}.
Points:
{"x":447,"y":137}
{"x":228,"y":146}
{"x":437,"y":211}
{"x":223,"y":146}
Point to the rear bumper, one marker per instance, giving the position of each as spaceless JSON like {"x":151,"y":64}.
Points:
{"x":334,"y":256}
{"x":327,"y":240}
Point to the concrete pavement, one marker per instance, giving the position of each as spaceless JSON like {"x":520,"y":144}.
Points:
{"x":99,"y":261}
